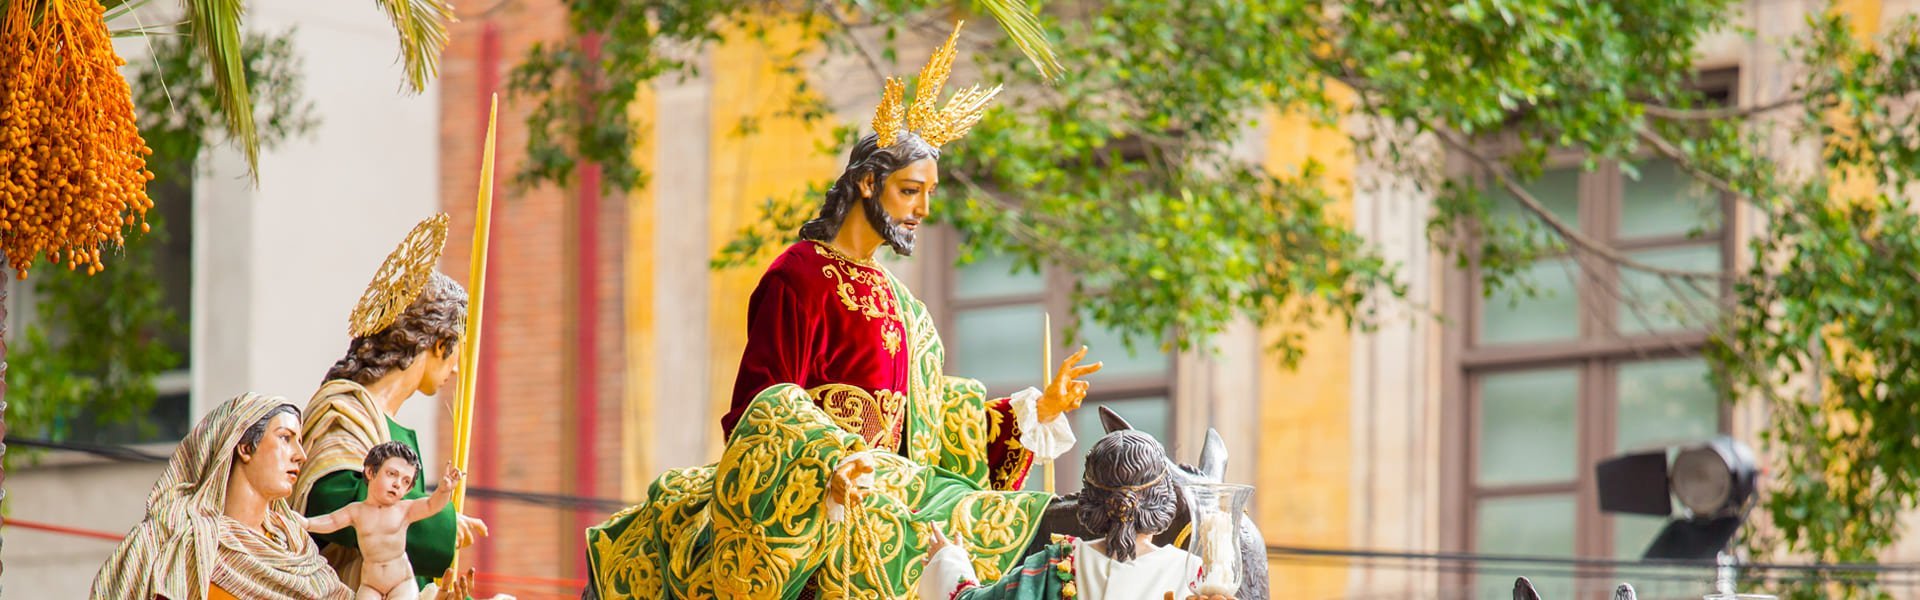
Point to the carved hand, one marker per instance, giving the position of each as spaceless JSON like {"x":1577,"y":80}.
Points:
{"x":843,"y":486}
{"x":1067,"y":390}
{"x":937,"y":541}
{"x":456,"y":588}
{"x":470,"y":530}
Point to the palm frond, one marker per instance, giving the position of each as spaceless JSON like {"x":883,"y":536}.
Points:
{"x":216,"y":30}
{"x":422,"y":25}
{"x":1024,"y":29}
{"x":158,"y":29}
{"x":121,"y":8}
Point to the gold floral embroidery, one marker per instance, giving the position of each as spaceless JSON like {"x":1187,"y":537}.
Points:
{"x":891,"y":337}
{"x":876,"y":302}
{"x":875,"y":417}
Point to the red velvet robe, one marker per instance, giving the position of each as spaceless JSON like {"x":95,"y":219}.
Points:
{"x":819,"y":318}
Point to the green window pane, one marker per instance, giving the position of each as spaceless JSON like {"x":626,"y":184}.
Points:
{"x":992,"y":275}
{"x":1104,"y":345}
{"x":1666,"y":202}
{"x":1631,"y":536}
{"x":999,"y":346}
{"x":1648,"y":303}
{"x":1665,"y":402}
{"x":1551,"y":313}
{"x":1539,"y":526}
{"x":1556,"y":189}
{"x":1527,"y":432}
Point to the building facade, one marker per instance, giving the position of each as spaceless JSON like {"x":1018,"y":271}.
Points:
{"x":1464,"y":423}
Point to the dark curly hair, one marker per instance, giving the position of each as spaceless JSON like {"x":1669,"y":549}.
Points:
{"x":868,"y":158}
{"x":377,"y":456}
{"x":434,"y":321}
{"x":1128,"y":491}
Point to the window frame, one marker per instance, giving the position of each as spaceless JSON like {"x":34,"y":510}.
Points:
{"x":1597,"y":353}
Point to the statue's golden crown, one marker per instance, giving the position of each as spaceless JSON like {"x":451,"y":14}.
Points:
{"x":937,"y":126}
{"x":400,"y":279}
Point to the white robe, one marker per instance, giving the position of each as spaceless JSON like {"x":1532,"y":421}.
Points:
{"x":1148,"y":577}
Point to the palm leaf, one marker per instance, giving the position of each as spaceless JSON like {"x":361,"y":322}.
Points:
{"x":422,"y":25}
{"x":216,"y":30}
{"x":1024,"y":29}
{"x":160,"y":29}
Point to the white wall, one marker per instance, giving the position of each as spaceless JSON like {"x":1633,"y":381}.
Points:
{"x":277,"y":270}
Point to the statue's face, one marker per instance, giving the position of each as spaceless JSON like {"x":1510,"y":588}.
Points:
{"x":440,"y":366}
{"x":390,"y":484}
{"x":275,"y":461}
{"x":906,"y":196}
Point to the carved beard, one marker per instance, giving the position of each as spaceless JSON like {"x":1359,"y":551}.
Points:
{"x":892,"y":231}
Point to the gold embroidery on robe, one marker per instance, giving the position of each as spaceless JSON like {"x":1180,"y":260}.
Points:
{"x":876,"y":302}
{"x":875,"y":417}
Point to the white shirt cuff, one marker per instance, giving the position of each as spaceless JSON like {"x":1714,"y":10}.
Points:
{"x":1046,"y":440}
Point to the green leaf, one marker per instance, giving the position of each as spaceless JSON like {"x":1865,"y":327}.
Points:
{"x":216,"y":30}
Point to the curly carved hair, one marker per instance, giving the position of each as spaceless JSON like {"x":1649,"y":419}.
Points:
{"x":1128,"y":491}
{"x":434,"y":321}
{"x":378,"y":455}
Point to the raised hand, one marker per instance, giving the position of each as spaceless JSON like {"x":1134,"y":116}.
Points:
{"x":452,"y":477}
{"x":1067,"y":390}
{"x":936,"y":541}
{"x":455,"y":588}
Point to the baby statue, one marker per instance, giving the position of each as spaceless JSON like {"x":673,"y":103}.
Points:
{"x":381,"y":520}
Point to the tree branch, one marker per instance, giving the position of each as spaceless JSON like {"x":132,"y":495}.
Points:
{"x":866,"y":54}
{"x":1666,"y":148}
{"x":1568,"y":232}
{"x":1729,"y":112}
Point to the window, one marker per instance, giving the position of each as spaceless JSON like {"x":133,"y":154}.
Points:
{"x":1602,"y":361}
{"x":992,"y":317}
{"x":171,"y":256}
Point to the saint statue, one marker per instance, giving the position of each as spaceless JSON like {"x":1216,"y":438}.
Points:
{"x":218,"y":524}
{"x":1129,"y":496}
{"x":406,"y":337}
{"x":846,"y":444}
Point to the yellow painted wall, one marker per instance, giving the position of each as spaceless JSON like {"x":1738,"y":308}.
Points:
{"x":636,"y":413}
{"x":1304,"y":491}
{"x":1852,"y":184}
{"x":780,"y":159}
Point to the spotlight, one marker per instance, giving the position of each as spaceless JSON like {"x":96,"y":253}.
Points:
{"x":1710,"y":482}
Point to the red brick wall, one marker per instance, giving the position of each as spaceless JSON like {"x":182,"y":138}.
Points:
{"x":528,"y":441}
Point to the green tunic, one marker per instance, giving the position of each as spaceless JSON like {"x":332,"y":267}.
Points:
{"x":430,"y":541}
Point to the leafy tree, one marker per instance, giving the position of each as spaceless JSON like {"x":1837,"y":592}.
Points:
{"x":1120,"y":170}
{"x":89,"y":357}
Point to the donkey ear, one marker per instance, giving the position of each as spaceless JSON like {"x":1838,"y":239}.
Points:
{"x":1112,"y":421}
{"x":1213,"y":457}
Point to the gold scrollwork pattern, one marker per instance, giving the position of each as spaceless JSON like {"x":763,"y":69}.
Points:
{"x":996,"y":527}
{"x":875,"y":417}
{"x":925,"y":387}
{"x":865,"y":293}
{"x":964,"y":440}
